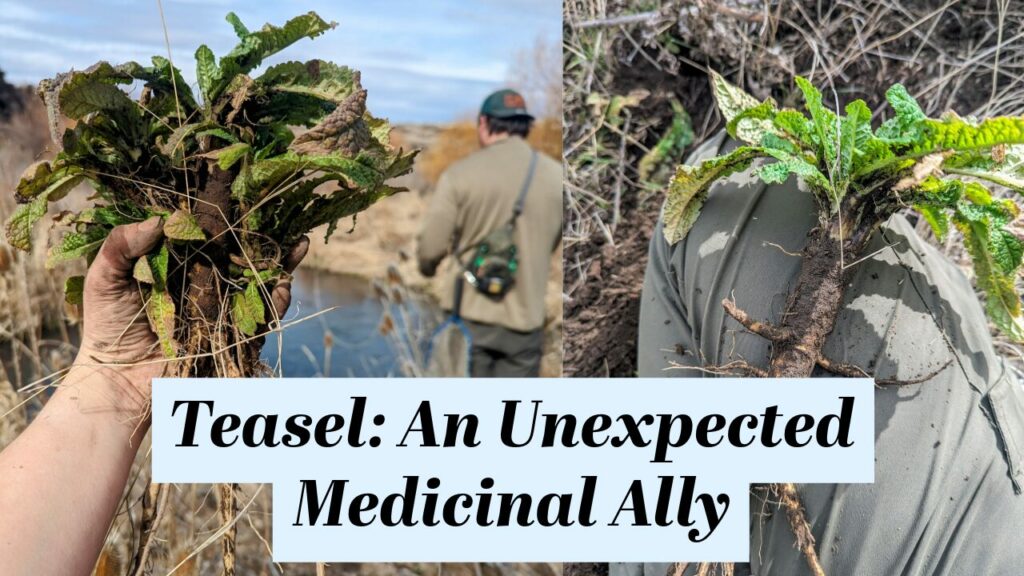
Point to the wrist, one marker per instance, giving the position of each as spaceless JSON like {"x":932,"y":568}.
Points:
{"x":95,"y":401}
{"x":117,"y":387}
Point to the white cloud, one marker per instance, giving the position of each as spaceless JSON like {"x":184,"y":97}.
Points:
{"x":20,"y":13}
{"x":475,"y":72}
{"x":111,"y":50}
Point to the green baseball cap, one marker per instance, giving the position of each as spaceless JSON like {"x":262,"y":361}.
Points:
{"x":505,"y":104}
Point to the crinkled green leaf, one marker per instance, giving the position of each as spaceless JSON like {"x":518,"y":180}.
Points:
{"x":247,"y":310}
{"x":240,"y":30}
{"x":905,"y":127}
{"x":955,"y":133}
{"x":1001,"y":301}
{"x":316,"y":78}
{"x":182,"y":225}
{"x":230,"y":155}
{"x":786,"y":164}
{"x":797,"y":126}
{"x":74,"y":288}
{"x":160,"y":311}
{"x":754,"y":124}
{"x":160,"y":308}
{"x":937,"y":217}
{"x":110,"y":215}
{"x":855,"y":131}
{"x":254,"y":47}
{"x":689,"y":189}
{"x":93,"y":90}
{"x":219,"y":133}
{"x":1006,"y":250}
{"x":746,"y":118}
{"x":273,"y":170}
{"x":34,"y":179}
{"x":823,"y":119}
{"x":22,"y":222}
{"x":731,"y":99}
{"x":206,"y":71}
{"x":173,"y":93}
{"x":143,"y":272}
{"x":77,"y":245}
{"x":159,"y":263}
{"x":670,"y":145}
{"x":773,"y":141}
{"x":941,"y":193}
{"x":50,"y":184}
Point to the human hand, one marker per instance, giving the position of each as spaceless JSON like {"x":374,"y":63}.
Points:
{"x":116,"y":331}
{"x":117,"y":339}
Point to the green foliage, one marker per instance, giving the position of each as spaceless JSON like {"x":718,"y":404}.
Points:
{"x":909,"y":159}
{"x":252,"y":49}
{"x":183,"y":226}
{"x":160,"y":307}
{"x":77,"y":245}
{"x":153,"y":155}
{"x":247,"y":310}
{"x":689,"y":189}
{"x":73,"y":288}
{"x":670,"y":146}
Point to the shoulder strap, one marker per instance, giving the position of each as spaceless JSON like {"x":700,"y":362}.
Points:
{"x":518,"y":208}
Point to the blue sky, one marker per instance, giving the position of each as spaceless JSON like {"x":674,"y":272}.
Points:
{"x":421,"y":60}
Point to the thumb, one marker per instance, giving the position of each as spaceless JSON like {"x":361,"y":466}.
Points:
{"x":129,"y":242}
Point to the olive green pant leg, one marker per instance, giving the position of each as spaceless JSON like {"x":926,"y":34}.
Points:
{"x":949,"y":459}
{"x":502,"y":353}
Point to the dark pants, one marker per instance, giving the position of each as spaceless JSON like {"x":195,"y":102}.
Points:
{"x":502,"y":353}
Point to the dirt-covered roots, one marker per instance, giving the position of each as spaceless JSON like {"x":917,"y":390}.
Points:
{"x":783,"y":335}
{"x":854,"y":371}
{"x":736,"y":368}
{"x":585,"y":569}
{"x":762,"y":329}
{"x":789,"y":501}
{"x":154,"y":503}
{"x":227,"y":507}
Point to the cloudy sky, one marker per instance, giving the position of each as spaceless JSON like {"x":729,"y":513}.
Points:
{"x":422,"y":60}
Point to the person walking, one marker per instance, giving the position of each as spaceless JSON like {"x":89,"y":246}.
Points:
{"x":498,"y":214}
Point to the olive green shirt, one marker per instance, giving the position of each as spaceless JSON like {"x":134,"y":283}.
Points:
{"x":474,"y":197}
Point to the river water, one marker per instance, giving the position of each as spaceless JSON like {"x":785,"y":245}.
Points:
{"x":345,"y":342}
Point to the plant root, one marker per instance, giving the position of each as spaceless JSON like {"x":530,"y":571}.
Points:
{"x":842,"y":369}
{"x":154,"y":501}
{"x":789,"y":500}
{"x":854,"y":371}
{"x":919,"y":380}
{"x":227,"y":507}
{"x":585,"y":569}
{"x":763,"y":329}
{"x":735,"y":368}
{"x":708,"y":569}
